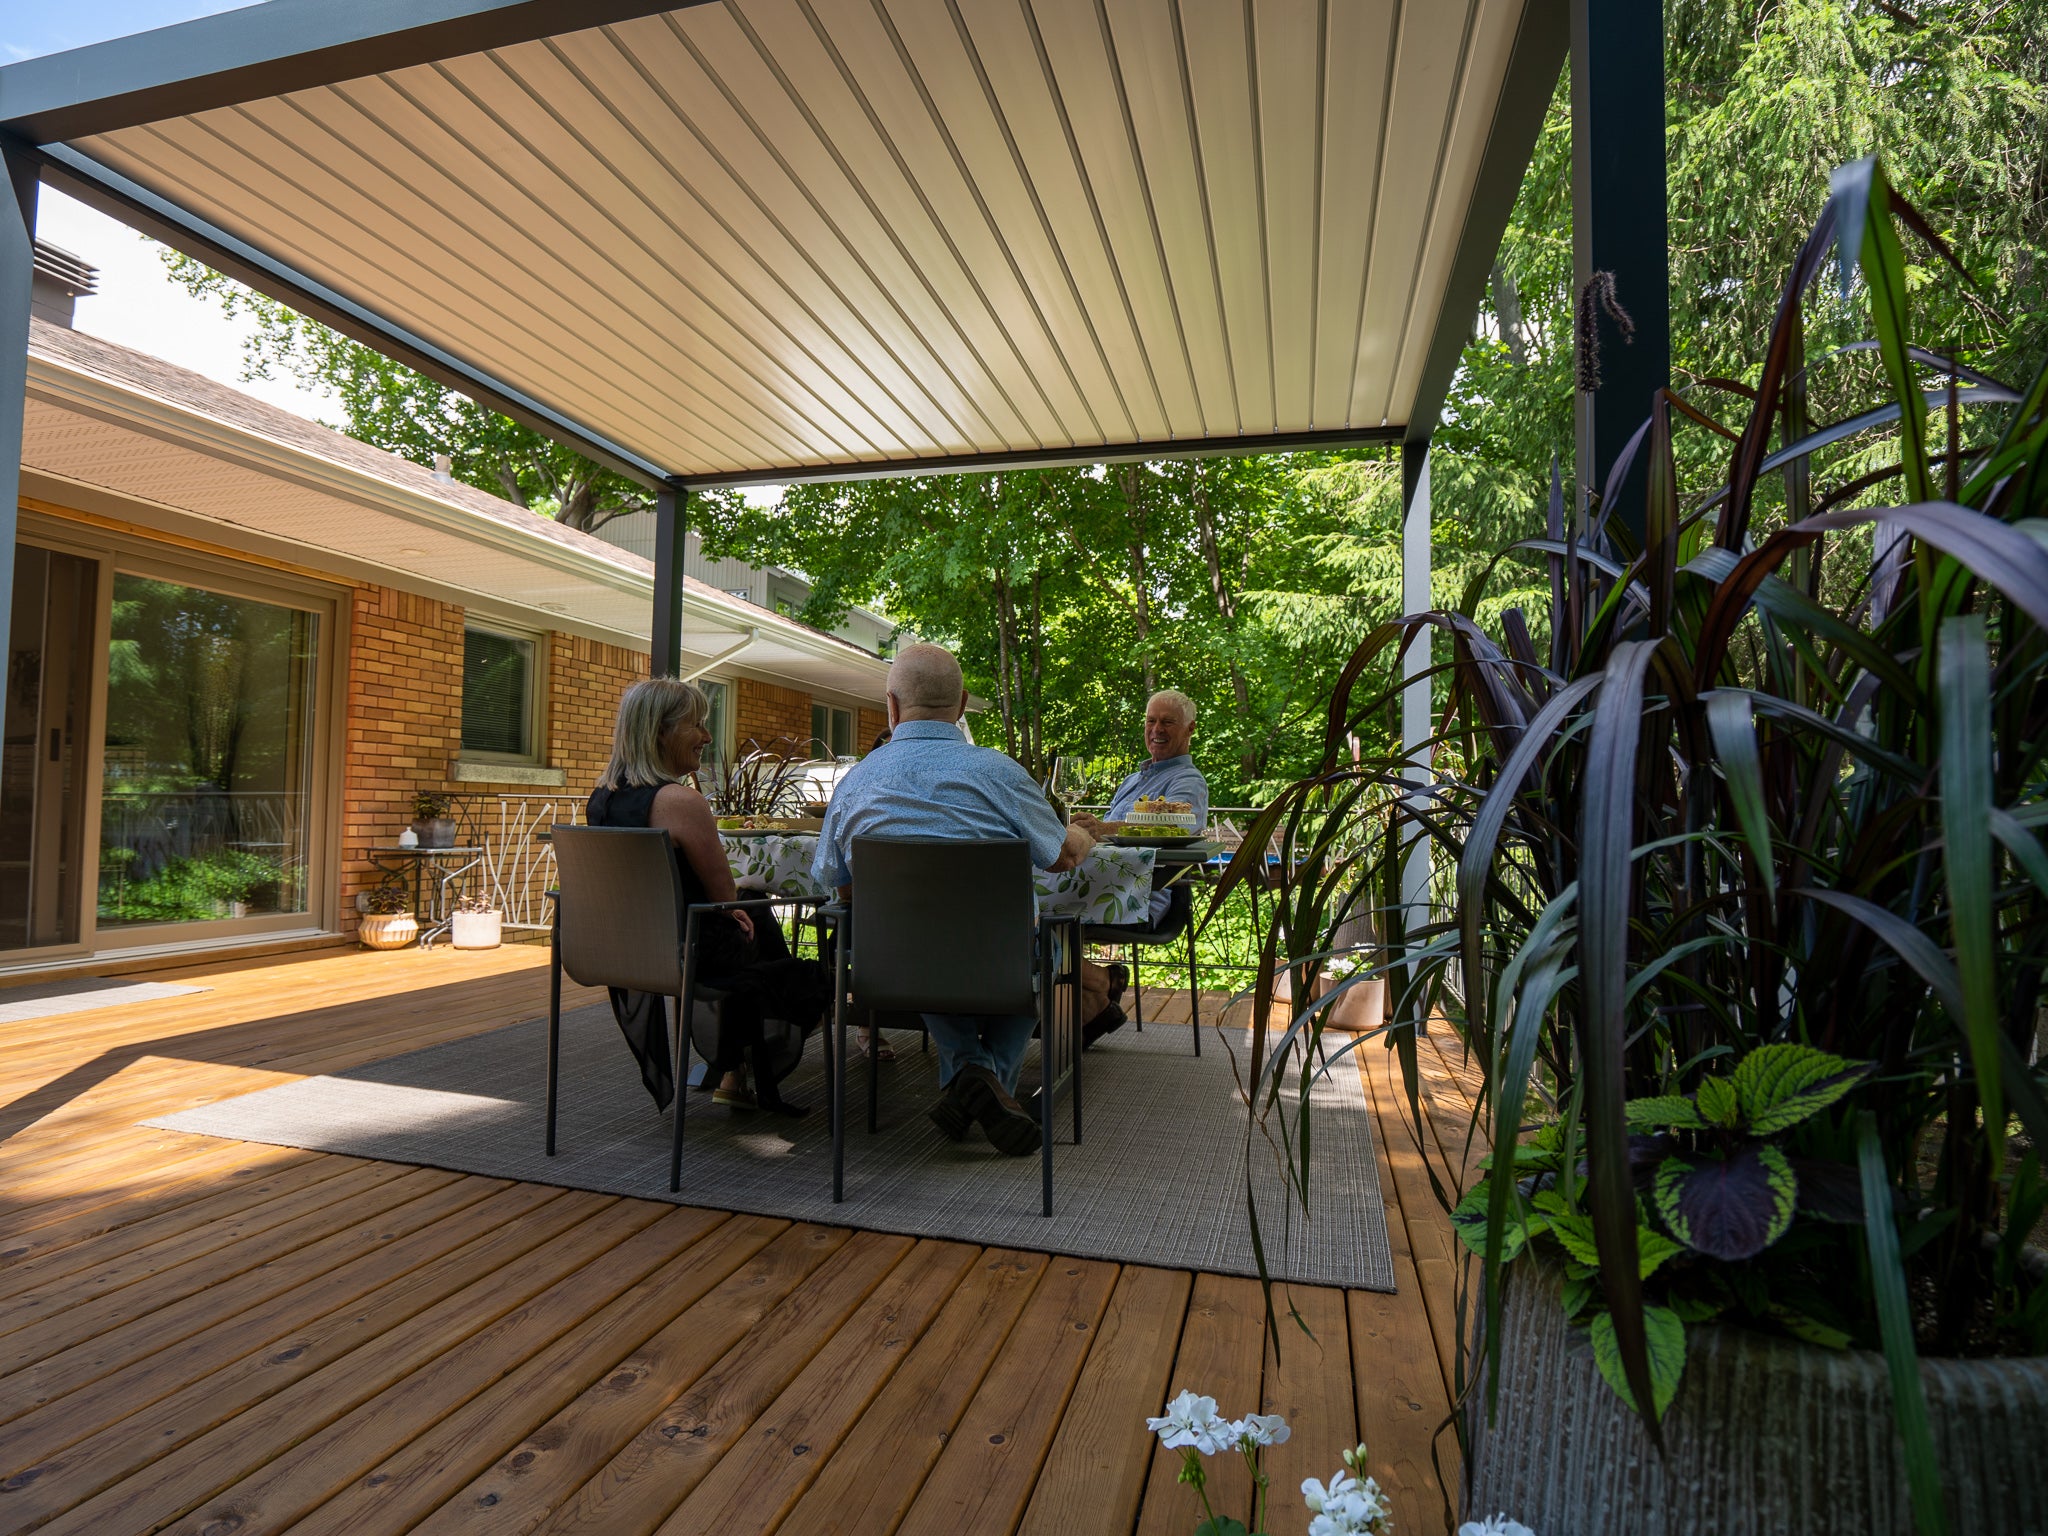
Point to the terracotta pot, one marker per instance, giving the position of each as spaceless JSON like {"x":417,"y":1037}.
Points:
{"x":1766,"y":1436}
{"x":476,"y":930}
{"x":387,"y":930}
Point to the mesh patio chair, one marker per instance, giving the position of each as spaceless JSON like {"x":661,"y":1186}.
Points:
{"x":618,"y":909}
{"x":1178,"y":920}
{"x":952,"y":926}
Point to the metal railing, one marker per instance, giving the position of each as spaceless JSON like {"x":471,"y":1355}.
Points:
{"x":517,"y":865}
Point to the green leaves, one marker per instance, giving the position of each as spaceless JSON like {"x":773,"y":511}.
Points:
{"x":1895,"y":1324}
{"x":1664,"y":1336}
{"x":1965,"y":672}
{"x":1778,"y":1086}
{"x":1665,"y":1111}
{"x":1717,"y":1103}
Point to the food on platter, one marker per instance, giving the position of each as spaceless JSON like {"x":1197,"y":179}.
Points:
{"x":1157,"y":805}
{"x":1161,"y":814}
{"x":768,"y":823}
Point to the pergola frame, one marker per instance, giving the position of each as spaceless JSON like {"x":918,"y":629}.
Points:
{"x":291,"y":45}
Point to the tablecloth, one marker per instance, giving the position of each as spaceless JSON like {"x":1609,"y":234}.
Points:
{"x":1112,"y":885}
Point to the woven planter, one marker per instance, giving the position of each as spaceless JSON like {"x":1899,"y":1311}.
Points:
{"x":1766,"y":1436}
{"x":387,"y":930}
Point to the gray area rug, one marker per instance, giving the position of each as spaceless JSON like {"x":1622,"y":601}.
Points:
{"x":43,"y":1000}
{"x":1159,"y":1178}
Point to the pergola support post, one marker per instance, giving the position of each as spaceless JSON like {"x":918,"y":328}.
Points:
{"x":1619,"y":231}
{"x":671,"y":521}
{"x":1416,"y":714}
{"x":17,"y":287}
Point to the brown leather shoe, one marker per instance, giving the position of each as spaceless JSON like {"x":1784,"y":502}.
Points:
{"x":1004,"y":1121}
{"x":950,"y":1113}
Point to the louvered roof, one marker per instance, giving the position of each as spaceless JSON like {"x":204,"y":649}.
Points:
{"x":773,"y":239}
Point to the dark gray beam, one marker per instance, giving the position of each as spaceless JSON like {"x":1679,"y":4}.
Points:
{"x":1049,"y":458}
{"x":1541,"y":43}
{"x":1619,"y":227}
{"x":90,"y":182}
{"x":268,"y":50}
{"x":671,"y":522}
{"x":18,"y":188}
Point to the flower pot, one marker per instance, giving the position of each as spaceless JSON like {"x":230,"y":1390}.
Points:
{"x":439,"y":832}
{"x":476,"y":930}
{"x":1766,"y":1435}
{"x":387,"y":930}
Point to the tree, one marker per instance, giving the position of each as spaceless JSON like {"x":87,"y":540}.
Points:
{"x":389,"y":406}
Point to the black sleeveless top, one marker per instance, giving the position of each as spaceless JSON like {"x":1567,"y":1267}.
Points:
{"x":632,"y":805}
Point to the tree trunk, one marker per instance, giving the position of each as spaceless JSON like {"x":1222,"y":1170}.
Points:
{"x":1131,"y":480}
{"x":1226,"y":607}
{"x":1003,"y":664}
{"x":1507,"y":308}
{"x":1038,"y":763}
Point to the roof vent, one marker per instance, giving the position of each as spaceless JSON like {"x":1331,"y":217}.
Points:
{"x":444,"y":467}
{"x":61,"y":280}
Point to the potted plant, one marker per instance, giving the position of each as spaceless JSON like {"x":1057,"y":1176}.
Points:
{"x":385,"y":920}
{"x":476,"y":923}
{"x":1748,"y":910}
{"x":432,"y":824}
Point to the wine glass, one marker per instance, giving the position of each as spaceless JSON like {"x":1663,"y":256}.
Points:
{"x":1064,"y":785}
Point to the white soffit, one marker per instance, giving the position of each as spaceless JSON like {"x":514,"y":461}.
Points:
{"x":789,"y":233}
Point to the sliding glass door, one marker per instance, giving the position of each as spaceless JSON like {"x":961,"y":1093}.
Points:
{"x":207,"y":768}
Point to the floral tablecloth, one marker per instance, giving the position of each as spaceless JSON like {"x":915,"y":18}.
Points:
{"x":1111,"y":885}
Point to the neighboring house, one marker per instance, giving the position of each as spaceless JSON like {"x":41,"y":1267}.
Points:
{"x":766,"y":586}
{"x":242,"y":642}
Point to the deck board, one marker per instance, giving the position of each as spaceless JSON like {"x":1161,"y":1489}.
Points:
{"x":201,"y":1336}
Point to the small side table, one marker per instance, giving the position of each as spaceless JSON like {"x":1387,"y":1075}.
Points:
{"x":394,"y":860}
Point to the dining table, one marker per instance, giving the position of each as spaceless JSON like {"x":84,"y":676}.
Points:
{"x":1111,"y":886}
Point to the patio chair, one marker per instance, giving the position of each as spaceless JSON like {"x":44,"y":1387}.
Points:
{"x":1177,"y":920}
{"x":618,"y":909}
{"x":952,"y":926}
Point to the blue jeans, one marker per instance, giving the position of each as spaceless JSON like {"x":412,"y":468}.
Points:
{"x":992,"y":1040}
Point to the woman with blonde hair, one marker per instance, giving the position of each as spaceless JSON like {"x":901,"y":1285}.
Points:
{"x":658,"y":742}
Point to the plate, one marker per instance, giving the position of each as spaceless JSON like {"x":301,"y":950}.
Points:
{"x":1179,"y":840}
{"x":809,"y":831}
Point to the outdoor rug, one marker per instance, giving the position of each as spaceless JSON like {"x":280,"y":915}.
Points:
{"x":47,"y":999}
{"x":1159,"y":1178}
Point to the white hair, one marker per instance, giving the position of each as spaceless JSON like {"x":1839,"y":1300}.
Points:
{"x":1180,"y":701}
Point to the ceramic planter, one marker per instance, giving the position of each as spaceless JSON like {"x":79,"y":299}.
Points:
{"x":476,"y":930}
{"x":387,"y":930}
{"x":1766,"y":1436}
{"x":438,"y":832}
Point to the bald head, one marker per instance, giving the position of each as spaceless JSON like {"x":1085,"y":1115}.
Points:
{"x":924,"y":684}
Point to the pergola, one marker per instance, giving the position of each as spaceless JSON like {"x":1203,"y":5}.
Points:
{"x":760,"y":241}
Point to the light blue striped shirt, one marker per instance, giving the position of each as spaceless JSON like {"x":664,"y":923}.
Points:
{"x":930,"y":781}
{"x":1177,"y":778}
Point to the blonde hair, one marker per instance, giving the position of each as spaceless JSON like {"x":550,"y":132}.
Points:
{"x":1179,"y":700}
{"x":649,"y":711}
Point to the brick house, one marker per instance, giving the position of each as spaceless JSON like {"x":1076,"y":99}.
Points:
{"x":242,"y":643}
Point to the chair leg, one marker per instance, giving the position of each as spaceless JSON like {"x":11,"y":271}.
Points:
{"x":1048,"y":1053}
{"x":554,"y":1019}
{"x":682,"y":1077}
{"x":1074,"y":1036}
{"x":836,"y":1044}
{"x":1137,"y":988}
{"x":874,"y":1071}
{"x":1194,"y":991}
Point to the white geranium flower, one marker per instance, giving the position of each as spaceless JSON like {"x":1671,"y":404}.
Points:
{"x":1494,"y":1525}
{"x":1260,"y":1429}
{"x":1318,"y":1498}
{"x":1192,"y":1420}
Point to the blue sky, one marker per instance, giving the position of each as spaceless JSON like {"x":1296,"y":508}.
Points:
{"x":33,"y":28}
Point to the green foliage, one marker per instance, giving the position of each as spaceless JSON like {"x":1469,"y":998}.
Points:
{"x":198,"y":888}
{"x":1737,"y":906}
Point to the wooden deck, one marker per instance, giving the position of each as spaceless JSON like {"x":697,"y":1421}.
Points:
{"x":211,"y":1337}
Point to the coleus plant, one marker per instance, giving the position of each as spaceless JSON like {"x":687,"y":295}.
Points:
{"x":1722,"y":1176}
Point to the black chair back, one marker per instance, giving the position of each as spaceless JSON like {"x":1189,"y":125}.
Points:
{"x":943,"y":926}
{"x":621,"y":907}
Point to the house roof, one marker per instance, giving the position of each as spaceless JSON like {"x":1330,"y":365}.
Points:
{"x":782,"y":239}
{"x":104,"y":415}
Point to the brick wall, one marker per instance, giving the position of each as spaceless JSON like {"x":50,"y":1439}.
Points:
{"x":765,"y":712}
{"x":585,"y":681}
{"x":404,"y":722}
{"x":871,"y":723}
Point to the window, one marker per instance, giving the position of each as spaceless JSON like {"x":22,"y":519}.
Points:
{"x":206,"y":803}
{"x":833,"y":730}
{"x":498,"y":687}
{"x":719,"y":723}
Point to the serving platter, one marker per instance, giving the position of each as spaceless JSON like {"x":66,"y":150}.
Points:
{"x":1176,"y":840}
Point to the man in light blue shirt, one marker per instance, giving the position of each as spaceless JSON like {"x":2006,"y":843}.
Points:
{"x":1170,"y":775}
{"x":929,"y":781}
